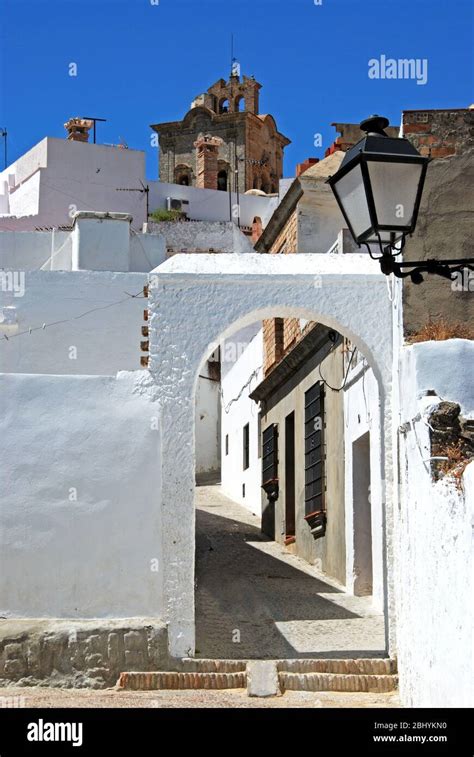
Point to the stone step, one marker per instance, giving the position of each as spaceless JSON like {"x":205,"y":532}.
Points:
{"x":202,"y":665}
{"x":337,"y":682}
{"x":368,"y":666}
{"x":173,"y":680}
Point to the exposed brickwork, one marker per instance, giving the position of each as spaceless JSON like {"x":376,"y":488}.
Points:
{"x":207,"y":154}
{"x":287,"y":239}
{"x":302,"y":167}
{"x":257,"y":229}
{"x":439,"y":133}
{"x":291,"y":333}
{"x":336,"y":682}
{"x":370,"y":666}
{"x":251,"y":153}
{"x":272,"y":343}
{"x":363,"y":675}
{"x":78,"y":129}
{"x":349,"y":135}
{"x":172,"y":680}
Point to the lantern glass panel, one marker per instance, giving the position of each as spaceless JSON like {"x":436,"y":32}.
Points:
{"x":351,"y":192}
{"x":394,"y":189}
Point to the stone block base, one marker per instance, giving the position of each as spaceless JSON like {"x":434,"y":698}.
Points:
{"x":79,"y":653}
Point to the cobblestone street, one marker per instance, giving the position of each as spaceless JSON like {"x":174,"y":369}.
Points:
{"x":256,"y":600}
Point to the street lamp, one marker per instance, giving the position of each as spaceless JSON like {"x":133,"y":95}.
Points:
{"x":378,"y":188}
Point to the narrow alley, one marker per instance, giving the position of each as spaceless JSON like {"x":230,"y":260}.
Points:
{"x":256,"y":600}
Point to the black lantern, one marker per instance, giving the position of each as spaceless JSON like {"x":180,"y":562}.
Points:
{"x":378,"y":188}
{"x":379,"y":185}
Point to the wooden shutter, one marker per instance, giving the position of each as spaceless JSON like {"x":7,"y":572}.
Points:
{"x":314,"y":499}
{"x":270,"y":454}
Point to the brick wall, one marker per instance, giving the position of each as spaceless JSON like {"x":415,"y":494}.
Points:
{"x":280,"y":335}
{"x":287,"y":239}
{"x":439,"y":133}
{"x":272,"y":343}
{"x":291,"y":332}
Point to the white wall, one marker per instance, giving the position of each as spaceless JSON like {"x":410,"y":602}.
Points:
{"x":105,"y":341}
{"x":81,"y":504}
{"x":59,"y":176}
{"x":208,"y":437}
{"x":235,"y":415}
{"x":53,"y":250}
{"x":434,"y":537}
{"x":212,"y":205}
{"x":362,"y":415}
{"x":184,"y":236}
{"x":29,"y":250}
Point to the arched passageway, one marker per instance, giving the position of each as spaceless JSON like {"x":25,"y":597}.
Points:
{"x":223,"y":293}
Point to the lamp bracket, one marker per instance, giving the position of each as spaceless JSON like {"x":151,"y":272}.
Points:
{"x":447,"y":269}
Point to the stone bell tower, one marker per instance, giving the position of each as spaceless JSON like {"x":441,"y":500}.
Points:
{"x":248,"y":153}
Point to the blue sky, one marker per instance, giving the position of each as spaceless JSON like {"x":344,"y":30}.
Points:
{"x":140,"y":63}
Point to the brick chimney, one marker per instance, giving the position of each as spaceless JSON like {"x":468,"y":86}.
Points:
{"x":206,"y":161}
{"x":78,"y":129}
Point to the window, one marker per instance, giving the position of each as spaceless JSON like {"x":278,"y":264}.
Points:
{"x":314,"y":449}
{"x":227,"y":444}
{"x":246,"y":446}
{"x":224,"y":105}
{"x":270,"y":454}
{"x":243,"y":491}
{"x":222,"y":181}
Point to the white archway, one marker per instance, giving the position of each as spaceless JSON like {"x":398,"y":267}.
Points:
{"x":198,"y":300}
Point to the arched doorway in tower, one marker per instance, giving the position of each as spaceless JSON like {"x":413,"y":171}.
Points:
{"x":222,"y":180}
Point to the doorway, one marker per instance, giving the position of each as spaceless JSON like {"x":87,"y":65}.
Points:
{"x":362,"y":516}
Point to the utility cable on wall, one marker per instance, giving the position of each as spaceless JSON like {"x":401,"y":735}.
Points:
{"x":235,"y":399}
{"x":44,"y":326}
{"x":333,"y":388}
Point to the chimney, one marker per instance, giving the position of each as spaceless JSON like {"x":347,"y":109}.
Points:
{"x":302,"y":167}
{"x":207,"y":155}
{"x":78,"y":129}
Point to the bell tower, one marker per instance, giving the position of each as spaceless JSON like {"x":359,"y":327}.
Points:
{"x":223,"y":141}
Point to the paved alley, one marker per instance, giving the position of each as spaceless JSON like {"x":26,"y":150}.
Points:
{"x":255,"y":600}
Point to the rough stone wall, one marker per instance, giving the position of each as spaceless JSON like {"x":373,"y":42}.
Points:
{"x":449,"y":429}
{"x":177,"y":144}
{"x":439,"y":133}
{"x":79,"y":654}
{"x":444,"y":228}
{"x":252,"y":149}
{"x":233,"y":91}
